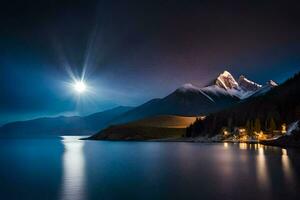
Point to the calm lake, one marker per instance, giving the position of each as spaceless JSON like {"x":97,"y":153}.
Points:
{"x":70,"y":169}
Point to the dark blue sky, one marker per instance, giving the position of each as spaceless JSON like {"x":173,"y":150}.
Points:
{"x":135,"y":50}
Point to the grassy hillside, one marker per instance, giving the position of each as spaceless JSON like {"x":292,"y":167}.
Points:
{"x":165,"y":126}
{"x":166,"y":121}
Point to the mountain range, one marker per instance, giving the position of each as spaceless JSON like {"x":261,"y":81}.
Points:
{"x":187,"y":100}
{"x":190,"y":100}
{"x":62,"y":125}
{"x":280,"y":105}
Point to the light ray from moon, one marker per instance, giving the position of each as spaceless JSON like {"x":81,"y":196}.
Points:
{"x":79,"y":86}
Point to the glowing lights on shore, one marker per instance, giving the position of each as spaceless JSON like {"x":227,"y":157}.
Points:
{"x":242,"y":130}
{"x":225,"y":133}
{"x":243,"y":135}
{"x":283,"y":128}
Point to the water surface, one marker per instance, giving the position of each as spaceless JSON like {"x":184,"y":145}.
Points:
{"x":70,"y":169}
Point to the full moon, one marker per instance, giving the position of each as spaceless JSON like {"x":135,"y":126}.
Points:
{"x":79,"y":86}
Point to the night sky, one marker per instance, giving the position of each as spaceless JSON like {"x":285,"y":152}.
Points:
{"x":133,"y":51}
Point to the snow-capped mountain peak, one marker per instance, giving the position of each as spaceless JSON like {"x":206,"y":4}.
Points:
{"x":248,"y":85}
{"x":243,"y":88}
{"x":272,"y":83}
{"x":226,"y":81}
{"x":226,"y":85}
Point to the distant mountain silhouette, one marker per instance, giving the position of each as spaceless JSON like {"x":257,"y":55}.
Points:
{"x":56,"y":126}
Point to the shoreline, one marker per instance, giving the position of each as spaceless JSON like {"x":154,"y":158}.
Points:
{"x":212,"y":140}
{"x":191,"y":140}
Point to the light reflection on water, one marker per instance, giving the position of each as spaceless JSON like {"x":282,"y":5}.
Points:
{"x":286,"y":167}
{"x":243,"y":146}
{"x":261,"y":169}
{"x":73,"y":187}
{"x":262,"y":173}
{"x":225,"y":145}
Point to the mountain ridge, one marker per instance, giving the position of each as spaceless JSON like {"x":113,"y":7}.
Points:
{"x":280,"y":104}
{"x":190,"y":100}
{"x":62,"y":125}
{"x":186,"y":100}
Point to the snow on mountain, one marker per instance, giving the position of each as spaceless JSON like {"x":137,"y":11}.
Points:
{"x":264,"y":89}
{"x":226,"y":81}
{"x":272,"y":83}
{"x":248,"y":85}
{"x":226,"y":85}
{"x":215,"y":90}
{"x":243,"y":88}
{"x":188,"y":87}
